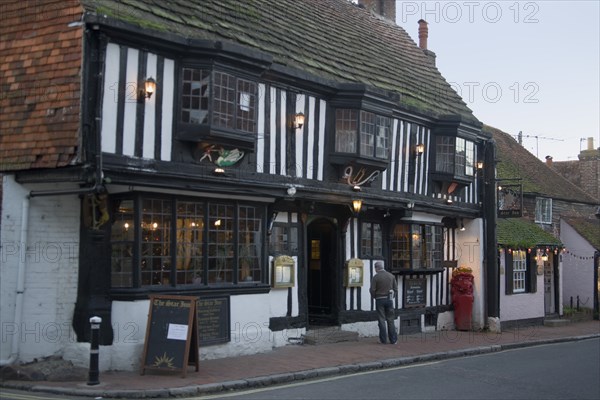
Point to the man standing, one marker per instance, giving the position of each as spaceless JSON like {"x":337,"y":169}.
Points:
{"x":383,"y":289}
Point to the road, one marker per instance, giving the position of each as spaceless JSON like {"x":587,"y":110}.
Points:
{"x":568,"y":370}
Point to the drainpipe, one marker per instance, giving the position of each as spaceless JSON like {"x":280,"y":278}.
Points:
{"x":14,"y":352}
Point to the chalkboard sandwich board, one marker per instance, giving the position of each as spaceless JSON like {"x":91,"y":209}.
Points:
{"x":415,"y":291}
{"x":171,"y":334}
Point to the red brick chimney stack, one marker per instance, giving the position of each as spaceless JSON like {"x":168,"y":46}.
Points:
{"x":423,"y":34}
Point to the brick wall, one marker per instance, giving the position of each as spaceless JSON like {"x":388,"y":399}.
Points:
{"x":40,"y":83}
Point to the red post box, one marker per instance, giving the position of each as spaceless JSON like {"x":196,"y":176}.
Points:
{"x":462,"y":299}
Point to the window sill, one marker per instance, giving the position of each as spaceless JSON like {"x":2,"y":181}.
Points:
{"x":129,"y":294}
{"x":430,"y":271}
{"x":204,"y":133}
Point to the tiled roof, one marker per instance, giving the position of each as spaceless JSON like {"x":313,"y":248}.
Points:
{"x":40,"y":70}
{"x":523,"y":234}
{"x":514,"y":161}
{"x":331,"y":39}
{"x":589,"y":228}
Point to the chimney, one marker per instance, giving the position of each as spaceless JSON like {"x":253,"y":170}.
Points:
{"x":549,"y":161}
{"x":423,"y":34}
{"x":385,"y":8}
{"x":590,"y":153}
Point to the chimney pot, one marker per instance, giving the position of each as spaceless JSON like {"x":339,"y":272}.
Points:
{"x":423,"y":34}
{"x":549,"y":161}
{"x":590,"y":143}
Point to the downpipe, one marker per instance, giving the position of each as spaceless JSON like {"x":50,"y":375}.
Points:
{"x":18,"y":318}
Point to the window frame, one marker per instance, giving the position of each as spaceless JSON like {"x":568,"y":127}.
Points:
{"x":287,"y":249}
{"x":458,"y":159}
{"x":239,"y":127}
{"x":529,"y":273}
{"x":366,"y":131}
{"x":371,"y":254}
{"x":543,"y":210}
{"x":421,"y":250}
{"x":175,"y":217}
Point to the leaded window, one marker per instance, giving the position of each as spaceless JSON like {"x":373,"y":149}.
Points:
{"x":364,"y":131}
{"x":217,"y":105}
{"x":284,"y":240}
{"x":416,"y":247}
{"x":455,"y":156}
{"x":185,"y":242}
{"x":371,"y":240}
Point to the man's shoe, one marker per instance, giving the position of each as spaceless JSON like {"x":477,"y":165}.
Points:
{"x":394,"y":342}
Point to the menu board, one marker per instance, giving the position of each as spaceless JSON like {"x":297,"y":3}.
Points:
{"x":213,"y":318}
{"x":415,"y":292}
{"x":171,"y":334}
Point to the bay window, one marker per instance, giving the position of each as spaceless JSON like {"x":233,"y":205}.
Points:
{"x":217,"y":105}
{"x":416,"y":247}
{"x":454,"y":156}
{"x":363,"y":133}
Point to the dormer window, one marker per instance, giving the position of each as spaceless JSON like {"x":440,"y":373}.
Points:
{"x":217,"y":106}
{"x":363,"y":133}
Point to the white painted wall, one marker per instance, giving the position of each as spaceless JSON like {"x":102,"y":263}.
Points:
{"x":520,"y":305}
{"x":51,"y":261}
{"x":470,"y":253}
{"x":578,"y":268}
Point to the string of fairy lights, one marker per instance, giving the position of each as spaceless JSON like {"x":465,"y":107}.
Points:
{"x":555,"y":250}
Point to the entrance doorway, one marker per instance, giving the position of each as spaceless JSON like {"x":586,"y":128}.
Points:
{"x":322,"y":278}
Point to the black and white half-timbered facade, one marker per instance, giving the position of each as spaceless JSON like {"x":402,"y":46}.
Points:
{"x":283,"y":148}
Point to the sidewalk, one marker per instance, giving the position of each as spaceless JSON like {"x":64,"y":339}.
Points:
{"x":300,"y":362}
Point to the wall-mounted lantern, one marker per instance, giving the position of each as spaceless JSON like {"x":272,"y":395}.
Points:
{"x":356,"y":206}
{"x":298,"y":121}
{"x":419,"y":149}
{"x":149,"y":89}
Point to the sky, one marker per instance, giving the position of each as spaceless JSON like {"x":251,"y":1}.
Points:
{"x":529,"y":66}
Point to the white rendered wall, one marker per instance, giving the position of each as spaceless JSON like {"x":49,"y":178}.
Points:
{"x":578,"y":268}
{"x":51,"y":263}
{"x":519,"y":306}
{"x":470,"y":253}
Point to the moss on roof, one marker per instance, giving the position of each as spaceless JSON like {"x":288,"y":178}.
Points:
{"x":514,"y":161}
{"x":588,"y":228}
{"x":332,"y":39}
{"x":520,"y":233}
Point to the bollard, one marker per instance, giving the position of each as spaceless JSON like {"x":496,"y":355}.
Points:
{"x":94,"y":352}
{"x":577,"y":303}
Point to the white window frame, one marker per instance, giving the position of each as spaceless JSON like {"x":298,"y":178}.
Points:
{"x":543,"y":210}
{"x":519,"y":260}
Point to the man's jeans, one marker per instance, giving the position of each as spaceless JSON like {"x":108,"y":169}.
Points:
{"x":385,"y":313}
